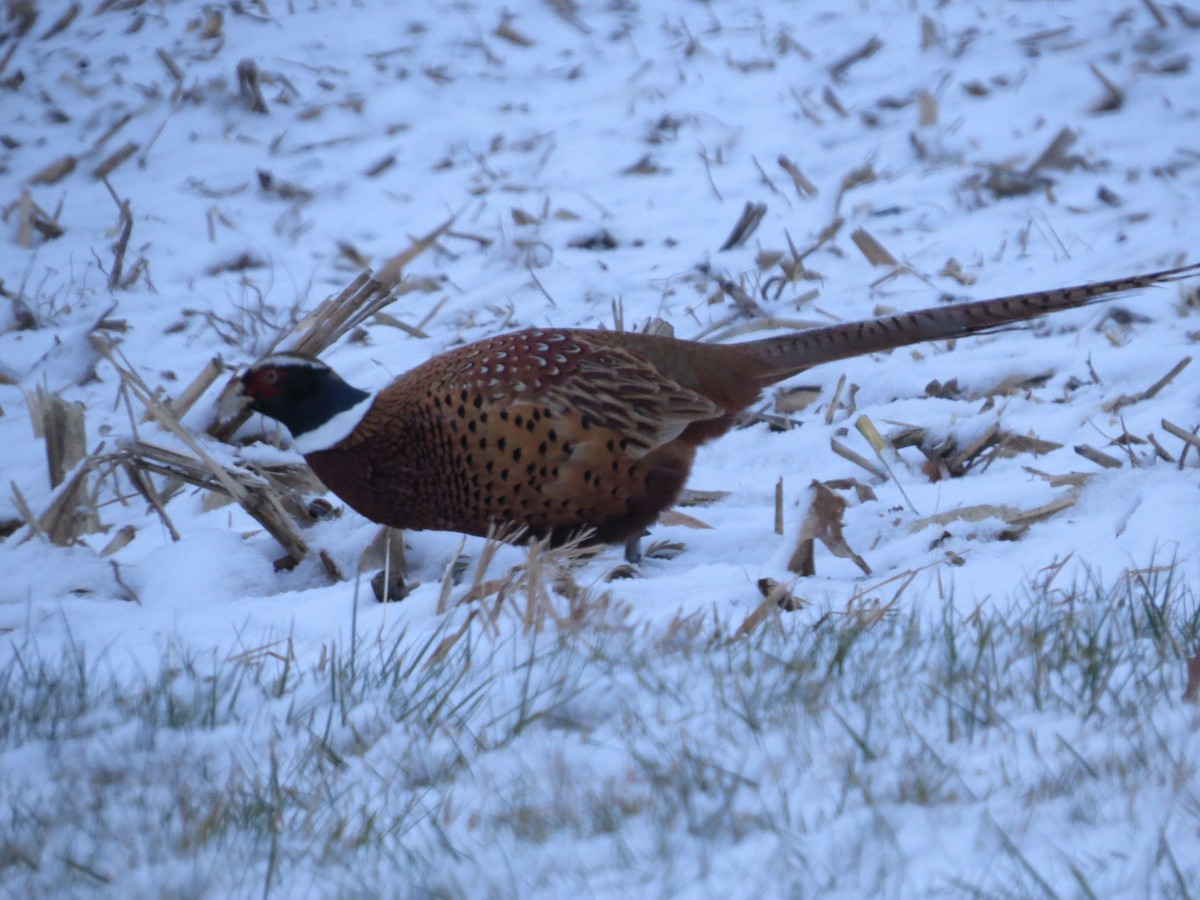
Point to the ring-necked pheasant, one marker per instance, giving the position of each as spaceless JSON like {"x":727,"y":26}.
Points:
{"x":560,"y":430}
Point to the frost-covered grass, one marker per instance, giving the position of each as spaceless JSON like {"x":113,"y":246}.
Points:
{"x":1041,"y":749}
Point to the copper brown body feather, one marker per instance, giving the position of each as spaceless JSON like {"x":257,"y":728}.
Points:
{"x":555,"y":430}
{"x":560,"y":430}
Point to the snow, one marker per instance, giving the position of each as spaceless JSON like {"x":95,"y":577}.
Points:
{"x":631,"y":750}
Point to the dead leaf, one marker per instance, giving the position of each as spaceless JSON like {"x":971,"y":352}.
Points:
{"x":823,"y":522}
{"x":675,"y":517}
{"x":778,"y":592}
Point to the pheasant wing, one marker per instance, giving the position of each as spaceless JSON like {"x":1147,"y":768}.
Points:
{"x":618,"y":392}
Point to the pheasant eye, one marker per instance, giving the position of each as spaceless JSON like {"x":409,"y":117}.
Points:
{"x":270,"y":376}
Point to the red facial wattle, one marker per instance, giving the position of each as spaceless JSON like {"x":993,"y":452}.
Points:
{"x":264,"y":383}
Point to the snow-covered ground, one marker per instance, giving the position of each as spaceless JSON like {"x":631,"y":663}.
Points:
{"x":993,"y":709}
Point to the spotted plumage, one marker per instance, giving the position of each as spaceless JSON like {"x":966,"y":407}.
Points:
{"x":561,"y":430}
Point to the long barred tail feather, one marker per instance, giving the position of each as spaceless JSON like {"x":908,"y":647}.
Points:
{"x":804,"y":349}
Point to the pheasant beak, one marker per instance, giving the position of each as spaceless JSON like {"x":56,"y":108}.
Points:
{"x":233,"y":400}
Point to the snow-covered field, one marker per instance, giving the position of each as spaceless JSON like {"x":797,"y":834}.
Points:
{"x":994,"y":710}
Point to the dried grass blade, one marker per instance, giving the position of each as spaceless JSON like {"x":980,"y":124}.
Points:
{"x":391,"y":271}
{"x":857,"y":458}
{"x":875,"y":252}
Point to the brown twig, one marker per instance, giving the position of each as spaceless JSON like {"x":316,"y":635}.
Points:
{"x":746,"y":225}
{"x":249,"y":88}
{"x":102,"y":171}
{"x":126,"y":223}
{"x":1188,"y":437}
{"x":62,"y":22}
{"x":867,"y":50}
{"x":1127,"y":399}
{"x":744,"y":301}
{"x":804,"y":187}
{"x":1156,"y":12}
{"x":1114,"y":97}
{"x":1099,"y":457}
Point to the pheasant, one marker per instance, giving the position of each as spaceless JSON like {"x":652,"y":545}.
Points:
{"x":563,"y":431}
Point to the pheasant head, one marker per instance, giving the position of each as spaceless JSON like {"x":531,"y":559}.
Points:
{"x":307,"y":396}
